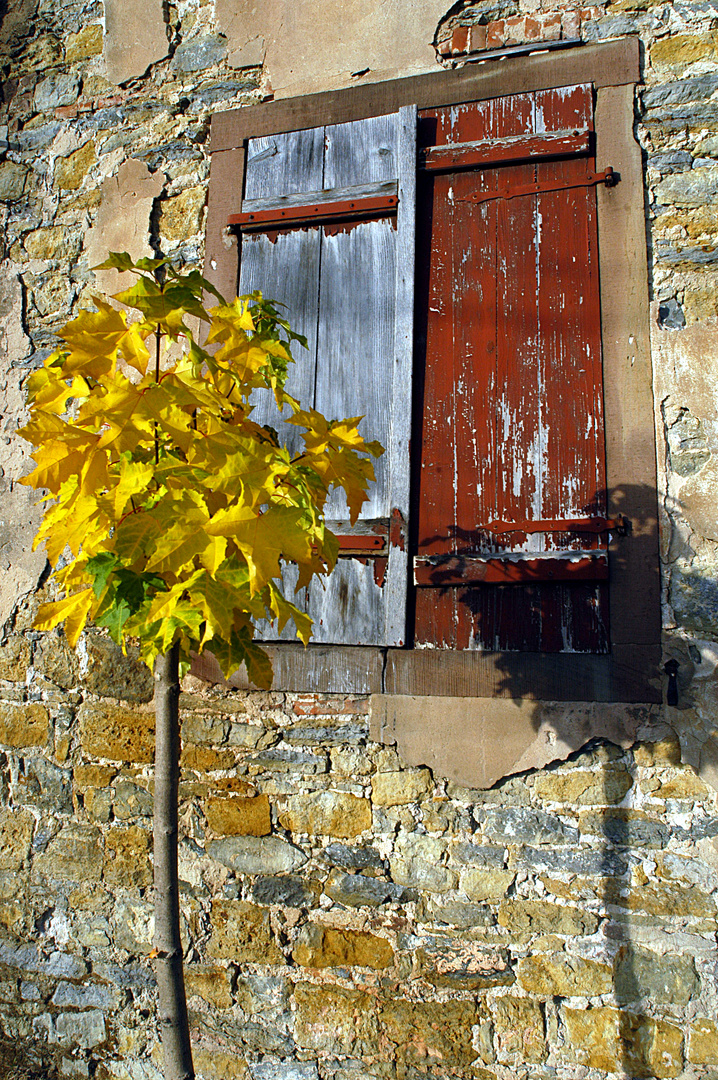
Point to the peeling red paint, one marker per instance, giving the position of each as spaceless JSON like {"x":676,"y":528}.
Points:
{"x":380,"y":565}
{"x":397,"y":530}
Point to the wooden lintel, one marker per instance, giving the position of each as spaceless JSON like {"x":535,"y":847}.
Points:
{"x":610,"y":63}
{"x":490,"y":152}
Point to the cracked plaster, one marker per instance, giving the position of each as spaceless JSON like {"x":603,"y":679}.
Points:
{"x":135,"y":38}
{"x":312,"y":46}
{"x":123,"y":221}
{"x":478,"y":741}
{"x":20,"y":567}
{"x":686,"y":378}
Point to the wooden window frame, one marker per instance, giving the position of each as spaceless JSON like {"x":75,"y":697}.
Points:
{"x":631,"y":671}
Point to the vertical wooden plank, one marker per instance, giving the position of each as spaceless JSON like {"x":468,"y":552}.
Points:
{"x":460,"y":435}
{"x":475,"y":244}
{"x":355,"y":341}
{"x":285,"y":268}
{"x":630,"y":450}
{"x":347,"y":605}
{"x":398,"y":450}
{"x":434,"y":623}
{"x":356,"y":333}
{"x":570,"y":358}
{"x":521,"y":426}
{"x":284,"y":265}
{"x":364,"y":364}
{"x":226,"y":175}
{"x":461,"y":256}
{"x":362,"y":152}
{"x":285,"y":164}
{"x":354,"y":350}
{"x":360,"y":335}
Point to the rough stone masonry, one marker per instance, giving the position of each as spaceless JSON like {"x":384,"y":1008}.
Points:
{"x":346,"y":916}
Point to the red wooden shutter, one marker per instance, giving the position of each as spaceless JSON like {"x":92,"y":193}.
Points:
{"x":512,"y":428}
{"x":327,"y":224}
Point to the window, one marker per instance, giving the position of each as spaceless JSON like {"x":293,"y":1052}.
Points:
{"x":511,"y":236}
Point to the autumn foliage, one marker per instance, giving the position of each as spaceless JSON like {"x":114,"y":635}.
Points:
{"x":171,"y":509}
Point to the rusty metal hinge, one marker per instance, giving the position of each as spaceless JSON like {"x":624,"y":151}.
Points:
{"x":607,"y":177}
{"x":619,"y":524}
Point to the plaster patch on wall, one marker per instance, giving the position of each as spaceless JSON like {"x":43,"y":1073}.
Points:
{"x":477,"y":741}
{"x":239,"y":22}
{"x":123,"y":221}
{"x":20,"y":566}
{"x":135,"y":38}
{"x":687,"y":446}
{"x":686,"y":382}
{"x":315,"y":45}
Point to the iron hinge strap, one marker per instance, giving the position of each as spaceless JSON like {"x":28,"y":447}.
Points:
{"x":607,"y":177}
{"x":620,"y":524}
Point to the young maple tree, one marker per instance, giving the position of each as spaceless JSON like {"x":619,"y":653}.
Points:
{"x":171,"y":511}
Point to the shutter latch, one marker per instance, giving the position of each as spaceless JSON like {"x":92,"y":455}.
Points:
{"x":607,"y":177}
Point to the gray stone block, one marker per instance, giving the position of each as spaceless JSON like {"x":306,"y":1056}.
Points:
{"x":257,"y":854}
{"x":664,"y":980}
{"x":519,"y":825}
{"x":584,"y":861}
{"x":200,"y":53}
{"x":90,"y":995}
{"x":357,"y":890}
{"x":56,"y":90}
{"x":290,"y":891}
{"x":284,"y":1070}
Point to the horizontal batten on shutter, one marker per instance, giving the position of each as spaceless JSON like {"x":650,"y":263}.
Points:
{"x":368,"y":536}
{"x":363,"y":545}
{"x":363,"y":200}
{"x":514,"y":148}
{"x":326,"y":195}
{"x":363,"y":209}
{"x":448,"y":570}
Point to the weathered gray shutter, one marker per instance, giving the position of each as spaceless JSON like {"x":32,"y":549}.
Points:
{"x":349,"y":290}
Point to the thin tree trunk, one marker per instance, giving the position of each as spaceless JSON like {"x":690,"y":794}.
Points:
{"x":174,"y":1026}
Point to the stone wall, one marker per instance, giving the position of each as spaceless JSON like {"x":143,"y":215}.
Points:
{"x":345,"y":916}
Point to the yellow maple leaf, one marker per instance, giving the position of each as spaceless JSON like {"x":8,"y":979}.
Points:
{"x":344,"y":468}
{"x":178,"y":509}
{"x":229,"y":318}
{"x":55,"y":463}
{"x":213,"y":554}
{"x":51,"y":391}
{"x":133,"y":349}
{"x":73,"y":611}
{"x":134,"y":479}
{"x":183,"y":524}
{"x":283,"y":611}
{"x":93,"y":338}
